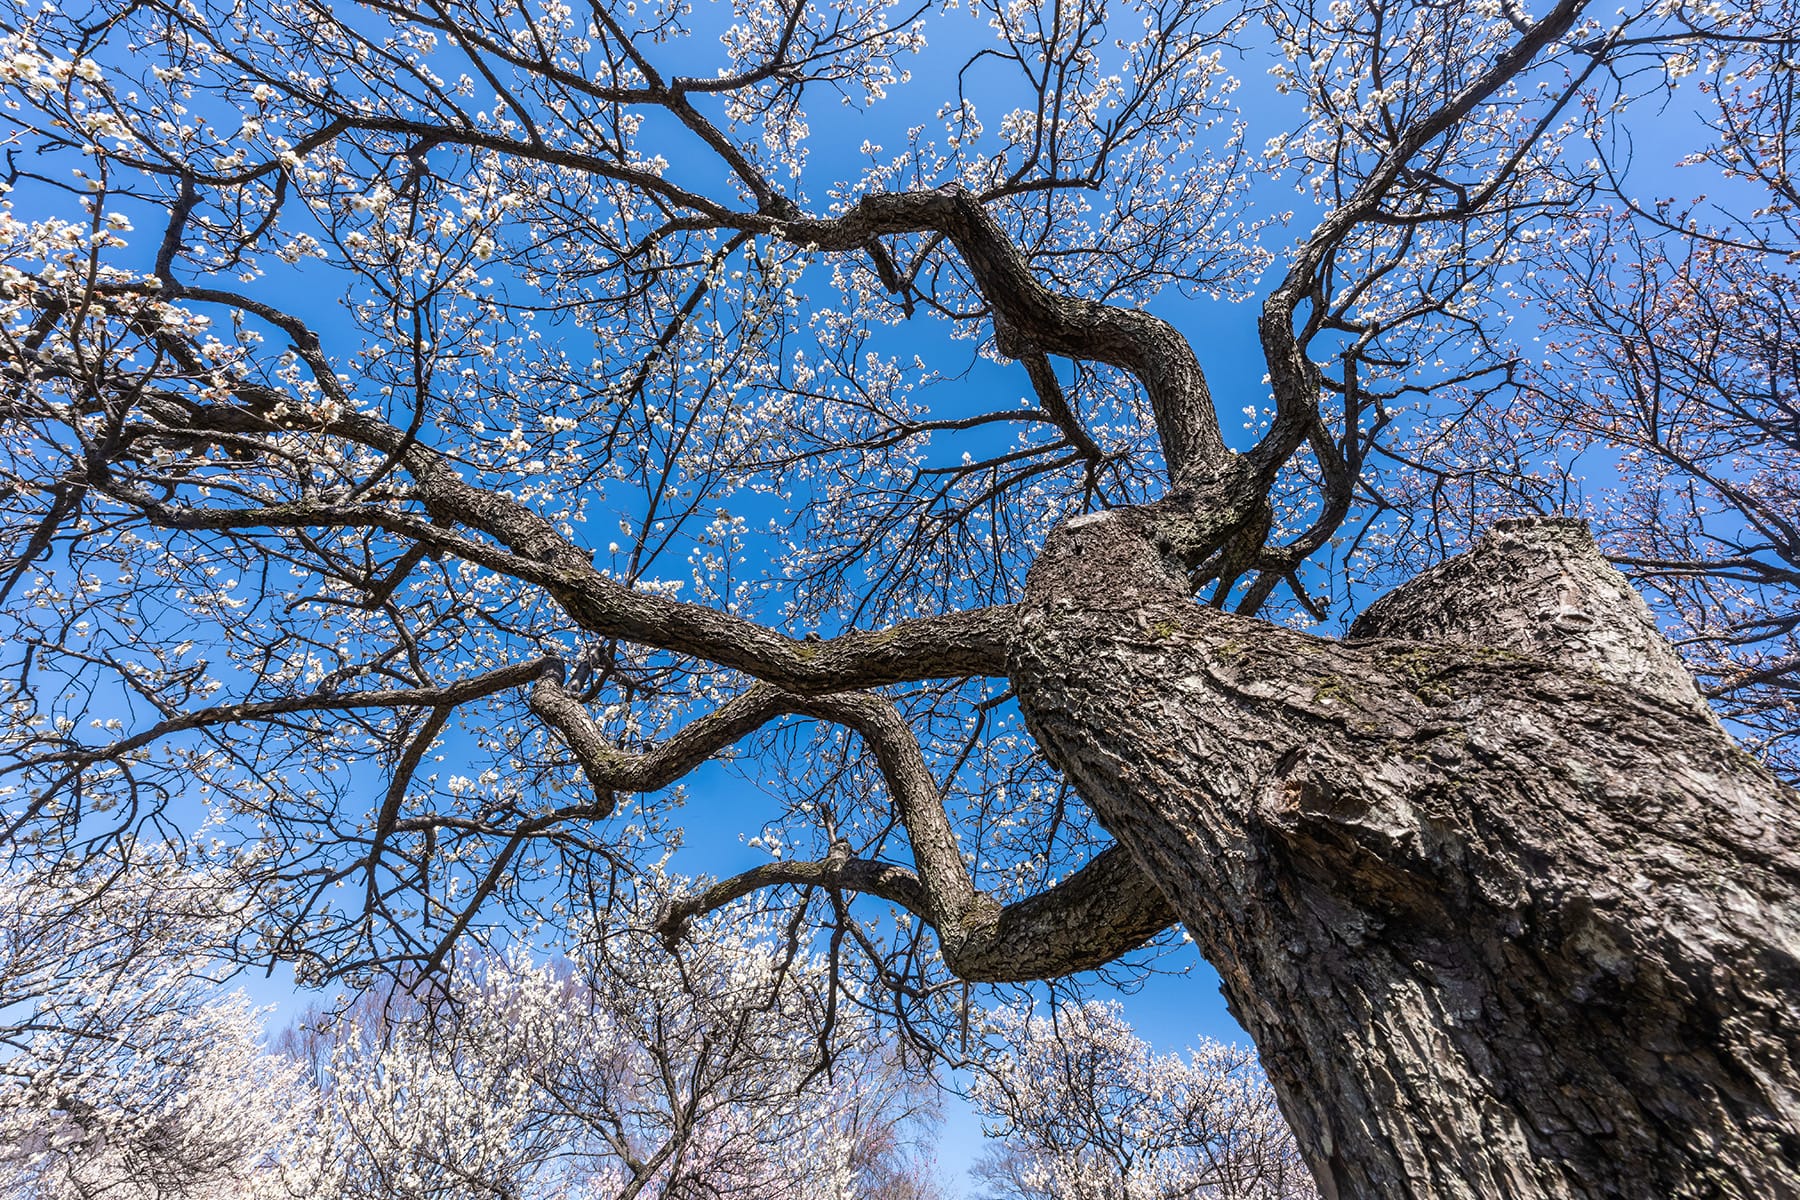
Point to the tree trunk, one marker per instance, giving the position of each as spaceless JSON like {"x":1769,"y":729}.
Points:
{"x":1506,"y":919}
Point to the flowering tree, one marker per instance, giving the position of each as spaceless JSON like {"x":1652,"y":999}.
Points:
{"x":632,"y":1072}
{"x":508,"y":408}
{"x":126,"y":1073}
{"x":638,"y":1072}
{"x":1087,"y":1109}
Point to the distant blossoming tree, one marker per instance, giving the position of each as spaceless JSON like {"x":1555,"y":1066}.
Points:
{"x":631,"y":1071}
{"x":1083,"y":1107}
{"x":125,"y":1071}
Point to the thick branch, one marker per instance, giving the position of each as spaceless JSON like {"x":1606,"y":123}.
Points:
{"x":1106,"y":909}
{"x":530,"y":548}
{"x":1028,"y":316}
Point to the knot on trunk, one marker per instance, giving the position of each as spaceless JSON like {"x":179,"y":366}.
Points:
{"x":967,"y":939}
{"x":1102,"y":560}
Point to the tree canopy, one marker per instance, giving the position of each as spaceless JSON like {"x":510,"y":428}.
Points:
{"x":433,"y":430}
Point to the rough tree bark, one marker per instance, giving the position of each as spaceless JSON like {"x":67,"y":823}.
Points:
{"x":1506,"y":912}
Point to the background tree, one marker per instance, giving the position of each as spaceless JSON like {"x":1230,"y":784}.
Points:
{"x":1084,"y":1107}
{"x":631,"y":1071}
{"x":127,"y":1072}
{"x":1499,"y":901}
{"x":635,"y":1072}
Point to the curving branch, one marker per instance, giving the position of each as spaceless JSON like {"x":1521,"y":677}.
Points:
{"x":1030,"y":318}
{"x":1293,"y":376}
{"x":529,"y":547}
{"x":1106,"y":909}
{"x":610,"y":770}
{"x":950,"y":646}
